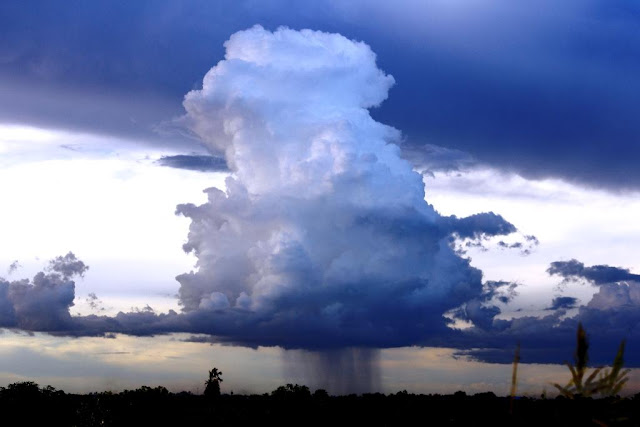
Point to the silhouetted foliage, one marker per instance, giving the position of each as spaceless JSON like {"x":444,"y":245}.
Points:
{"x":612,"y":380}
{"x":22,"y":390}
{"x":18,"y":401}
{"x":291,"y":391}
{"x":608,"y":383}
{"x":27,"y":404}
{"x":212,"y":389}
{"x":320,"y":394}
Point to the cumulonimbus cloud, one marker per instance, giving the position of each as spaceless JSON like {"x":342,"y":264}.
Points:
{"x":322,"y":238}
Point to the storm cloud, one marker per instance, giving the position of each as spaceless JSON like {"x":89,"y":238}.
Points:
{"x":42,"y":304}
{"x":612,"y":314}
{"x":322,"y":238}
{"x":194,"y":162}
{"x":563,"y":303}
{"x":573,"y":270}
{"x":487,"y":83}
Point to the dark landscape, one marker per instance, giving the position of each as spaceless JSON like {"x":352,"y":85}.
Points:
{"x":27,"y":404}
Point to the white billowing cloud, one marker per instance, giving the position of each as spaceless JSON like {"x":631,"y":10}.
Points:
{"x":280,"y":106}
{"x":616,"y":296}
{"x":322,"y":237}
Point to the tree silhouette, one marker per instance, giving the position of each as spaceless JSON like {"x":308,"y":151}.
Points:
{"x":213,"y":384}
{"x":291,"y":391}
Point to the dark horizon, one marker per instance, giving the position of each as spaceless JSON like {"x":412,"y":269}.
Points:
{"x":318,"y":189}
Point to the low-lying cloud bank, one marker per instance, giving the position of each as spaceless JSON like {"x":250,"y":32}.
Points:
{"x":42,"y":304}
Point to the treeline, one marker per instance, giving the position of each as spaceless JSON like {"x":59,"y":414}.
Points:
{"x":27,"y":404}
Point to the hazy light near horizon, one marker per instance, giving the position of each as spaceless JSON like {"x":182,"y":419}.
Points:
{"x":87,"y":364}
{"x":104,"y":199}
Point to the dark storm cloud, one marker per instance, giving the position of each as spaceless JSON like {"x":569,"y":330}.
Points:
{"x":113,"y":67}
{"x":481,"y":310}
{"x":539,"y":88}
{"x":544,"y":89}
{"x":500,"y":290}
{"x":596,"y":274}
{"x":563,"y":303}
{"x":95,"y":111}
{"x":195,"y":162}
{"x":322,"y":238}
{"x":613,"y":314}
{"x":43,"y":303}
{"x":474,"y":226}
{"x":305,"y":249}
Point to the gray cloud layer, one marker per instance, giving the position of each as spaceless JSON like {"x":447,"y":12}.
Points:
{"x":596,"y":274}
{"x":200,"y":163}
{"x":613,"y":314}
{"x":488,"y":81}
{"x":43,"y":303}
{"x":563,"y":303}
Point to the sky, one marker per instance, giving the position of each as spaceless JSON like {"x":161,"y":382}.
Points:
{"x":358,"y":196}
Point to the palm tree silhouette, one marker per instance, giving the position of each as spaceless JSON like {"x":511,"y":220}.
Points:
{"x":213,"y":383}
